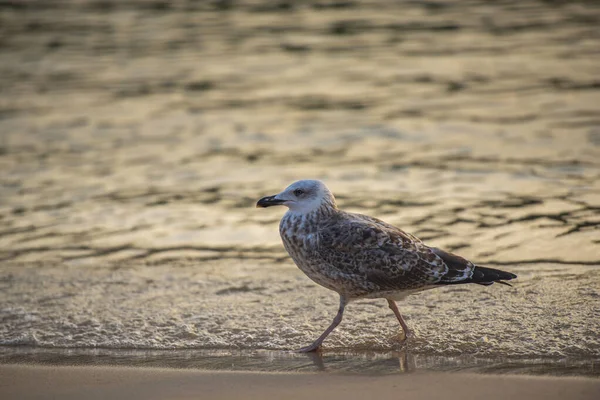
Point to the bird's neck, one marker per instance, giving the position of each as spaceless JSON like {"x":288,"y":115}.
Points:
{"x":308,"y":220}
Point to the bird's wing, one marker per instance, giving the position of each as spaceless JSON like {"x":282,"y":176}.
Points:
{"x":381,"y":253}
{"x":459,"y":269}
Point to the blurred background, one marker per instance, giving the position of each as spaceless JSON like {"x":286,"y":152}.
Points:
{"x":136,"y":137}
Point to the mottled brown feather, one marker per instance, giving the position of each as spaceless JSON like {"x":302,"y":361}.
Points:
{"x":378,"y":252}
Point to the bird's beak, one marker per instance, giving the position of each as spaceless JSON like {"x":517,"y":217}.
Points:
{"x":269,"y":201}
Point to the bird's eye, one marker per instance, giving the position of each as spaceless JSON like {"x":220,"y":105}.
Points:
{"x":298,"y":192}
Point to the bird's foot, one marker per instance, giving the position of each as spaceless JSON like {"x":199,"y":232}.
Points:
{"x":309,"y":349}
{"x":407,"y":336}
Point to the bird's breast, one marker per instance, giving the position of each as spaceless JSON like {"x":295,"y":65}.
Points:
{"x":299,"y":236}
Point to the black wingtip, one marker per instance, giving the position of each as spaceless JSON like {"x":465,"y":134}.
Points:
{"x":487,"y":276}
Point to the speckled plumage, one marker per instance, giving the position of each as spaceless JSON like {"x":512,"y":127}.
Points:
{"x":363,"y":257}
{"x":359,"y":256}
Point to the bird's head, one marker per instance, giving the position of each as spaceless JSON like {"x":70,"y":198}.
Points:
{"x":301,"y":197}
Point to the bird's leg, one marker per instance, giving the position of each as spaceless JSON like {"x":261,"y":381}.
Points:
{"x":336,"y":321}
{"x":407,"y":332}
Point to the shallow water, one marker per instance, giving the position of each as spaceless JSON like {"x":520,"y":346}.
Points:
{"x":334,"y":362}
{"x":135,"y":140}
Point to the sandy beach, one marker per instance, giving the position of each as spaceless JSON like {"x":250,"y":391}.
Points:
{"x":155,"y":383}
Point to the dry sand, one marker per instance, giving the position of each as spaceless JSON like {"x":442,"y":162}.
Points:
{"x":155,"y":383}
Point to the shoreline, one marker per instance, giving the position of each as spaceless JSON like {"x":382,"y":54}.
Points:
{"x":373,"y":363}
{"x":75,"y":382}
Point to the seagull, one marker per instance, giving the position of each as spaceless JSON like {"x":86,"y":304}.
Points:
{"x":361,"y":257}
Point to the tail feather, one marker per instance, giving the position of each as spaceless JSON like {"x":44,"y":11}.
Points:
{"x":487,"y":276}
{"x":459,"y":268}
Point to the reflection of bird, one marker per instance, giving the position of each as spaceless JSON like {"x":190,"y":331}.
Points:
{"x":362,"y":257}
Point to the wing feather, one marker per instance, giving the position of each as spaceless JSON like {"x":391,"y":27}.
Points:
{"x":459,"y":269}
{"x":382,"y":254}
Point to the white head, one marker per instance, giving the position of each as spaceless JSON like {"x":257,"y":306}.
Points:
{"x":301,"y":197}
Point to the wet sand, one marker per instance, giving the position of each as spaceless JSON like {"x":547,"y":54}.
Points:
{"x":155,"y":383}
{"x":136,"y":137}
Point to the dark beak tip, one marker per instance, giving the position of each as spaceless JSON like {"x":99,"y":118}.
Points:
{"x":267,"y":202}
